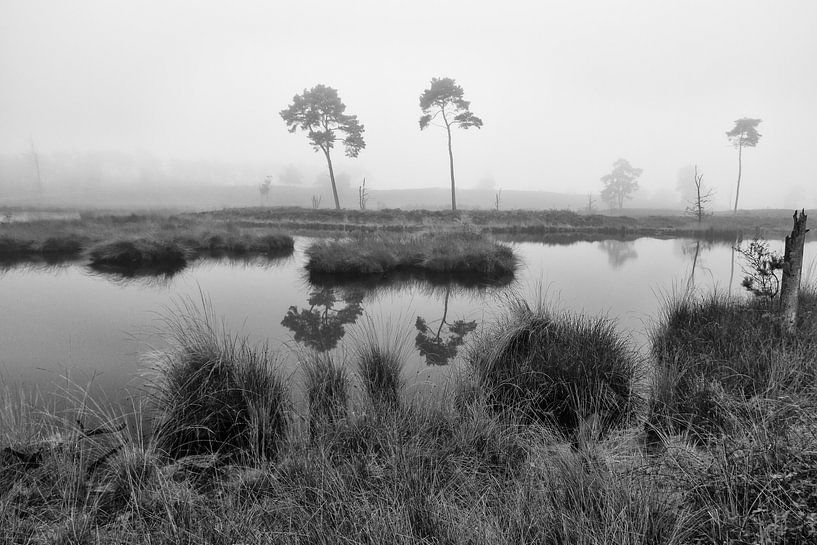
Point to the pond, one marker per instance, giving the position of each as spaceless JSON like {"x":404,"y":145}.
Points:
{"x":66,"y":324}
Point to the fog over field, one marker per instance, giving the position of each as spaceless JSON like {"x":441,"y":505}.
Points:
{"x":172,"y":92}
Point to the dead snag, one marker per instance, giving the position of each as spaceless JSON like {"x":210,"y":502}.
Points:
{"x":792,"y":268}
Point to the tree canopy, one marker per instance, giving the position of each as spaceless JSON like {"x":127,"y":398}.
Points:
{"x":321,"y":114}
{"x":620,"y":183}
{"x":444,"y":100}
{"x":744,"y":134}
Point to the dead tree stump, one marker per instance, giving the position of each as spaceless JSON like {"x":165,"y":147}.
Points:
{"x":792,"y":269}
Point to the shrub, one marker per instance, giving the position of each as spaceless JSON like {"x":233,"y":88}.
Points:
{"x":557,"y":368}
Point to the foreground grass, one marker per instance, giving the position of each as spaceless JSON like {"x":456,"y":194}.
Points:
{"x":453,"y":469}
{"x":459,"y":253}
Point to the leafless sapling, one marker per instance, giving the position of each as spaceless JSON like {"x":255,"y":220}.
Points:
{"x":699,"y":205}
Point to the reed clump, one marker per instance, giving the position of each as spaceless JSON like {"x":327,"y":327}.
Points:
{"x":712,"y":354}
{"x":327,"y":390}
{"x":557,"y":368}
{"x":380,"y":358}
{"x":216,"y":394}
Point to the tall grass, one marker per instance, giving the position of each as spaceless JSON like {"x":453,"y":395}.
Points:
{"x":380,"y":358}
{"x":558,"y":368}
{"x":713,"y":353}
{"x":327,"y":390}
{"x":216,"y":394}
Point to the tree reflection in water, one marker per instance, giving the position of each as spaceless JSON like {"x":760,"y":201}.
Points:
{"x":618,"y":251}
{"x":321,"y":326}
{"x":435,"y":347}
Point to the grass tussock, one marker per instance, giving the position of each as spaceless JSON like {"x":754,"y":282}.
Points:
{"x":713,"y":354}
{"x":137,"y":254}
{"x":216,"y":394}
{"x":462,"y":253}
{"x":380,"y":358}
{"x":327,"y":390}
{"x":565,"y":370}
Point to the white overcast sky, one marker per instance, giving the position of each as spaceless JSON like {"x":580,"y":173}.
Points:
{"x":564,"y":88}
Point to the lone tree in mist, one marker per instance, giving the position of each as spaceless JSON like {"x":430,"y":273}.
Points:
{"x":443,"y":105}
{"x":743,"y":135}
{"x":620,"y":183}
{"x":320,"y":113}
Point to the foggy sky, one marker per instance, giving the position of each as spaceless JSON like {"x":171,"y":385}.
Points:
{"x":564,"y":88}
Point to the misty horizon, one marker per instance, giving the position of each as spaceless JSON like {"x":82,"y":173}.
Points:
{"x":564,"y":89}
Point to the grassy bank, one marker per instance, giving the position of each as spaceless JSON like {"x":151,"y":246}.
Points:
{"x":137,"y":240}
{"x":550,"y":434}
{"x":557,"y":223}
{"x":458,"y":253}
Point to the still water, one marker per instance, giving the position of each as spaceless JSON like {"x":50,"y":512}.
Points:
{"x":70,"y":323}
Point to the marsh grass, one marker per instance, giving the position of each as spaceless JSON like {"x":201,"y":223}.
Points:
{"x":456,"y":252}
{"x":712,"y":354}
{"x":557,"y":368}
{"x":150,"y":243}
{"x":449,"y":469}
{"x":380,"y":355}
{"x":138,"y":253}
{"x":214,"y":393}
{"x":327,"y":390}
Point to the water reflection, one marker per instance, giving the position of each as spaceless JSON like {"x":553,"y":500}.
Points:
{"x":695,"y":250}
{"x":34,"y":261}
{"x":321,"y":326}
{"x":397,"y":281}
{"x":149,"y":277}
{"x":162,"y":276}
{"x":618,"y":251}
{"x":436,"y":348}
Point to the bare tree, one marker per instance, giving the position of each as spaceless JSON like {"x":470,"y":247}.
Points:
{"x":699,"y":205}
{"x":362,"y":195}
{"x":498,"y":199}
{"x":316,"y":202}
{"x":590,"y":202}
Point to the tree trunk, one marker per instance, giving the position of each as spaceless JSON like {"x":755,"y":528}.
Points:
{"x":451,"y":164}
{"x":792,"y":268}
{"x":332,"y":179}
{"x":740,"y":168}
